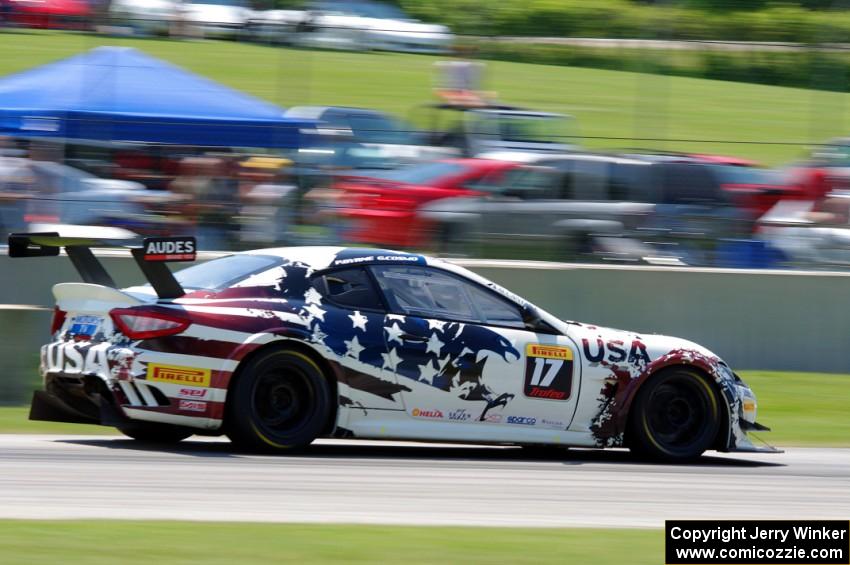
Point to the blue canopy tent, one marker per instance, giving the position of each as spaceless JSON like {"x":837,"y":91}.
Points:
{"x":121,"y":94}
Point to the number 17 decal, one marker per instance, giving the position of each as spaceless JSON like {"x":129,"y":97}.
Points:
{"x":548,"y":371}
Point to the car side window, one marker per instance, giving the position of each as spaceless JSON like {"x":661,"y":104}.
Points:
{"x":350,"y":288}
{"x":429,"y":293}
{"x":532,"y":183}
{"x":590,"y":180}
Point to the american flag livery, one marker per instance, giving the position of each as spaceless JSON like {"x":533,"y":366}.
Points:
{"x":126,"y":356}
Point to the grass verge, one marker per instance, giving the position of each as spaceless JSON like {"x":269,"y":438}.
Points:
{"x":801,"y":408}
{"x":96,"y":542}
{"x":612,"y":107}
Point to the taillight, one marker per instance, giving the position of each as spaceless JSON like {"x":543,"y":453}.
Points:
{"x":58,"y":320}
{"x":139,"y":324}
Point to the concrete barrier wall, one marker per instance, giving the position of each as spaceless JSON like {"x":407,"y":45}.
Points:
{"x":788,"y":321}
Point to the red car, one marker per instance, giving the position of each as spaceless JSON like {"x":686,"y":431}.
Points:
{"x":382,"y":210}
{"x":49,"y":14}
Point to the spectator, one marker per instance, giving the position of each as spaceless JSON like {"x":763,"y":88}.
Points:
{"x":268,"y":211}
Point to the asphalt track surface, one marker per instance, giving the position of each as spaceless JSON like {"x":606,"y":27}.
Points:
{"x":406,"y":483}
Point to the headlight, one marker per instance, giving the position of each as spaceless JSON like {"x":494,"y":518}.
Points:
{"x":749,"y":406}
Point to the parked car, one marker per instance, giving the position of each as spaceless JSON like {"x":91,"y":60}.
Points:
{"x":499,"y":132}
{"x":381,"y":133}
{"x":590,"y":207}
{"x":811,"y":233}
{"x":144,"y":17}
{"x":355,"y":24}
{"x":382,"y":207}
{"x":750,"y":186}
{"x":216,"y":18}
{"x":274,"y":26}
{"x":53,"y":193}
{"x":49,"y":14}
{"x":277,"y":347}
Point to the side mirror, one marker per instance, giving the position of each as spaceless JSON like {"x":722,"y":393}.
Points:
{"x":531,"y":319}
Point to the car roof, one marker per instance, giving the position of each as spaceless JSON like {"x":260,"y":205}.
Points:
{"x":324,"y":257}
{"x":551,"y":160}
{"x":316,"y":112}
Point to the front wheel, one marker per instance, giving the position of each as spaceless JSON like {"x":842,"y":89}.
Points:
{"x":281,"y":402}
{"x":675,"y":417}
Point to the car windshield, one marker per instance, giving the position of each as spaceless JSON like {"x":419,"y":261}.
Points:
{"x":522,"y":128}
{"x":346,"y":156}
{"x":380,"y":129}
{"x":424,"y":174}
{"x":236,"y":3}
{"x":223,"y":272}
{"x":729,"y":174}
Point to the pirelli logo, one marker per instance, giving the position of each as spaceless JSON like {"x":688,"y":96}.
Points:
{"x":549,"y":351}
{"x":548,"y":372}
{"x":179,"y":375}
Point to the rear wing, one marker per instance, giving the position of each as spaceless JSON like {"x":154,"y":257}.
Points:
{"x":150,"y":254}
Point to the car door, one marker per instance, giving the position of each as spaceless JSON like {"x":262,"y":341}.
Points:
{"x":352,"y":328}
{"x":466,"y":356}
{"x":521,"y":205}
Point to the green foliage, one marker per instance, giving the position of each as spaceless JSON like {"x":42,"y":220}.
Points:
{"x":90,"y":542}
{"x":706,"y":20}
{"x":805,"y":69}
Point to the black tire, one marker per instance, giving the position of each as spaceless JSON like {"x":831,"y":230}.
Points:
{"x":576,"y":248}
{"x":281,"y":402}
{"x":152,"y":432}
{"x":675,"y":417}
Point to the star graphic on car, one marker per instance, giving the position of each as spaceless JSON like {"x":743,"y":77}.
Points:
{"x":427,"y":372}
{"x":358,"y":320}
{"x":353,"y":348}
{"x":434,"y":344}
{"x":316,"y":311}
{"x":312,"y":296}
{"x":391,"y":360}
{"x":394,"y":333}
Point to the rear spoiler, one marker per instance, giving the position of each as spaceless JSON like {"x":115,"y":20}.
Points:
{"x":151,"y":254}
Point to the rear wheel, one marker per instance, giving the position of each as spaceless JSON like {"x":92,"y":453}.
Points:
{"x":675,"y":417}
{"x":281,"y":402}
{"x":152,"y":432}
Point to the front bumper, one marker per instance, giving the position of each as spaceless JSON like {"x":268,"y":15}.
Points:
{"x":744,"y":420}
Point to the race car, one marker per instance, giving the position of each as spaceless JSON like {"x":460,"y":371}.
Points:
{"x":277,"y":347}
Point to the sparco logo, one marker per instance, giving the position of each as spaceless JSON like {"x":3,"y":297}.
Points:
{"x":523,"y":420}
{"x":417,"y":413}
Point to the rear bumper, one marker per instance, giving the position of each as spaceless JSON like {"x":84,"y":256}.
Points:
{"x":50,"y":407}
